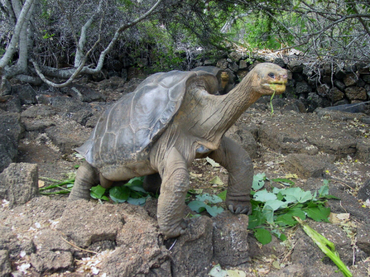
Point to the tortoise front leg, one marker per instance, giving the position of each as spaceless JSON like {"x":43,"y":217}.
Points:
{"x":86,"y":177}
{"x":240,"y":167}
{"x":171,"y":202}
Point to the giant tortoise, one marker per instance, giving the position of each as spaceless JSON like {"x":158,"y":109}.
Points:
{"x":224,"y":76}
{"x":160,"y":128}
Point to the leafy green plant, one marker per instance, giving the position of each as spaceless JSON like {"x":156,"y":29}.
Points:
{"x":206,"y":202}
{"x":132,"y":192}
{"x":274,"y":211}
{"x":58,"y":186}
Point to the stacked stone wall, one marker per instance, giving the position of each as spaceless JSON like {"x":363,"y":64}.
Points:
{"x":315,"y":86}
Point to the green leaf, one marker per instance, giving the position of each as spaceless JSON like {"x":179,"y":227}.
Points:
{"x":276,"y":204}
{"x":258,"y":181}
{"x":318,"y":213}
{"x":212,"y":162}
{"x":263,"y":236}
{"x":305,"y":196}
{"x":217,"y":181}
{"x":287,"y":219}
{"x":137,"y":201}
{"x":97,"y":192}
{"x":257,"y":218}
{"x":222,"y":195}
{"x":264,"y":195}
{"x":197,"y":206}
{"x":212,"y":199}
{"x":119,"y":194}
{"x":268,"y":213}
{"x":324,"y":190}
{"x":296,"y":193}
{"x":284,"y":181}
{"x":214,"y":210}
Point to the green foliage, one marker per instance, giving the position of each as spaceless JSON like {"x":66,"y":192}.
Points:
{"x":274,"y":211}
{"x":325,"y":245}
{"x":131,"y":192}
{"x":57,"y":186}
{"x":203,"y":203}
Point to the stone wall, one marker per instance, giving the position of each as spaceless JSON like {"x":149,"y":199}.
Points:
{"x":315,"y":87}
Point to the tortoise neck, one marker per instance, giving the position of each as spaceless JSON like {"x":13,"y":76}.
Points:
{"x":233,"y":104}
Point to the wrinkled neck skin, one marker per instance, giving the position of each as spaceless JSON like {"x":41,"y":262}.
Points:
{"x":229,"y":107}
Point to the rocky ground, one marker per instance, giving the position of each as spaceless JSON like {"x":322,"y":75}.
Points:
{"x":46,"y":236}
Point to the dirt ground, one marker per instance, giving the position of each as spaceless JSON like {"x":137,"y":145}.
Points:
{"x":339,"y":141}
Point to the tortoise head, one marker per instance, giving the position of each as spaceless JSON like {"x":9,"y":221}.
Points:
{"x":269,"y":78}
{"x":224,"y":76}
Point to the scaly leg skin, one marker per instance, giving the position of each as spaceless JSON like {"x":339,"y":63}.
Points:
{"x":171,"y":202}
{"x":87,"y":176}
{"x":240,"y":167}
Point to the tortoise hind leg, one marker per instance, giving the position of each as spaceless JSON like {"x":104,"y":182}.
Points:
{"x":87,"y":176}
{"x":240,"y":167}
{"x":152,"y":183}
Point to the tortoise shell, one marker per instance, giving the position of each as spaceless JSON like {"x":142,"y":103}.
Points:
{"x":128,"y":128}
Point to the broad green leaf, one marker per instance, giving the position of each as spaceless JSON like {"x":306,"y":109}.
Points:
{"x":264,"y":196}
{"x":263,"y":236}
{"x":197,"y":206}
{"x":222,"y":195}
{"x":324,"y":190}
{"x":258,"y":181}
{"x":296,"y":193}
{"x":268,"y":213}
{"x":318,"y":213}
{"x":97,"y":192}
{"x":138,"y":188}
{"x":214,"y":210}
{"x":305,"y":196}
{"x":136,"y":181}
{"x":279,"y":196}
{"x":287,"y":219}
{"x":276,"y":204}
{"x":137,"y":201}
{"x":212,"y":199}
{"x":119,"y":194}
{"x":256,"y":219}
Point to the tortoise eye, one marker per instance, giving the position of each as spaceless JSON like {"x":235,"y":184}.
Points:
{"x":272,"y":75}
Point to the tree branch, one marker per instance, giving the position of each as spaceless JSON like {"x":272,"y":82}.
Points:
{"x":87,"y":70}
{"x":10,"y":50}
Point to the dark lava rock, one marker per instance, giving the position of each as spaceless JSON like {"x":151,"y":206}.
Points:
{"x":20,"y":182}
{"x":230,"y":233}
{"x":11,"y":130}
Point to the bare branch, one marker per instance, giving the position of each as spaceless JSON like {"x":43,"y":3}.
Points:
{"x":10,"y":50}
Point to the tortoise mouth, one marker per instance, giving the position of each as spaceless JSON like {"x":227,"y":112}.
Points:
{"x":278,"y":87}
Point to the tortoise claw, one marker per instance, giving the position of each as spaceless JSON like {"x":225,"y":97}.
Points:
{"x":239,"y":210}
{"x":244,"y":211}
